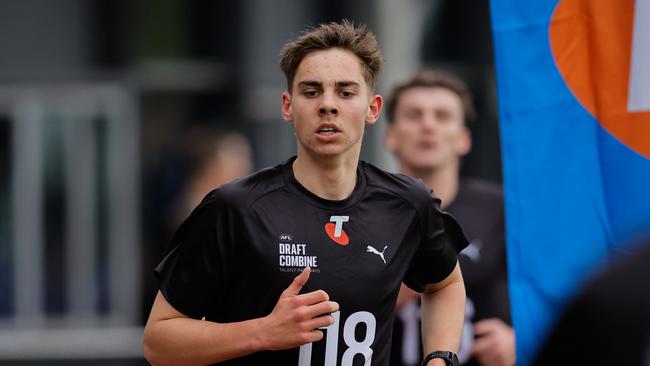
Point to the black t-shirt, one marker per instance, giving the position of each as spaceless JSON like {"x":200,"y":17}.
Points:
{"x":478,"y":206}
{"x":244,"y":244}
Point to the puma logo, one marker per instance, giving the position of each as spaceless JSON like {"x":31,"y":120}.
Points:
{"x":375,"y":251}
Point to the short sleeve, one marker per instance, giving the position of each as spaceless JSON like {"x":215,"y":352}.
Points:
{"x":442,"y":238}
{"x":194,"y":271}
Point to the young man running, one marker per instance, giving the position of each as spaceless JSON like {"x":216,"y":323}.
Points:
{"x":276,"y":268}
{"x":428,"y":133}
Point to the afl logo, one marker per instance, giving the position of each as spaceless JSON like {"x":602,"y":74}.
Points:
{"x":286,"y":237}
{"x":602,"y":54}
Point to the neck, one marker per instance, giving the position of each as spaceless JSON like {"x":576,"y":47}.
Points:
{"x":443,"y":180}
{"x":332,"y":179}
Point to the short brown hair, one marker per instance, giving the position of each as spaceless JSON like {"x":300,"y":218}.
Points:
{"x":434,"y":79}
{"x":345,"y":35}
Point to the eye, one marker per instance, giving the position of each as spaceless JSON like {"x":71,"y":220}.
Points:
{"x":444,"y":116}
{"x":413,"y":114}
{"x":346,"y":94}
{"x":310,"y":93}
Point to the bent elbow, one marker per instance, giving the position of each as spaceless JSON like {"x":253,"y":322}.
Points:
{"x":150,"y":353}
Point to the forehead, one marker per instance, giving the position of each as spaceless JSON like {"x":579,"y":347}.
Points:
{"x":329,"y":66}
{"x":430,"y":97}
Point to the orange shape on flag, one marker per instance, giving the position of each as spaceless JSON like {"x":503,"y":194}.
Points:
{"x":591,"y":42}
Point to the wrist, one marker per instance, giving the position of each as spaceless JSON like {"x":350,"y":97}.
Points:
{"x":440,"y":358}
{"x":259,"y":341}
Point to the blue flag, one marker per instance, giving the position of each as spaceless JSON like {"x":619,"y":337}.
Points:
{"x":574,"y":102}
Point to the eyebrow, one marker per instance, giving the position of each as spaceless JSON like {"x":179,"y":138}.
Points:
{"x":338,"y":84}
{"x":310,"y":83}
{"x":345,"y":84}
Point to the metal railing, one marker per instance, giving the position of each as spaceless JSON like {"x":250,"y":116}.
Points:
{"x":86,"y":137}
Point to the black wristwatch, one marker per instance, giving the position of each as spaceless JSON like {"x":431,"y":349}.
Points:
{"x":450,"y":358}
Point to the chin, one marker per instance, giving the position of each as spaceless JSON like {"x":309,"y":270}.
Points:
{"x":419,"y":167}
{"x":422,"y":162}
{"x":332,"y":149}
{"x":327,"y":151}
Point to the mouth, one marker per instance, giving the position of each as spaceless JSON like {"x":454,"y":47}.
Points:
{"x":427,"y":145}
{"x":327,"y":130}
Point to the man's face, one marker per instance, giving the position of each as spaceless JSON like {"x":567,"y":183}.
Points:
{"x":330,"y":103}
{"x":428,"y":131}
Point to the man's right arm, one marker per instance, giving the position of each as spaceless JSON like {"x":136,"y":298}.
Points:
{"x":171,"y":338}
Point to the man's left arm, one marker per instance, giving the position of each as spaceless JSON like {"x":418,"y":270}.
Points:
{"x":443,"y":313}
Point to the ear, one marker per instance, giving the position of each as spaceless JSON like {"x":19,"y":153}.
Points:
{"x":465,"y":142}
{"x":287,"y":110}
{"x":374,"y":109}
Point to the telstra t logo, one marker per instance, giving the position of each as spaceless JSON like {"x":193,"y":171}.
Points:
{"x":334,"y":229}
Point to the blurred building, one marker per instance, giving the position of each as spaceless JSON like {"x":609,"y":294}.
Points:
{"x":93,"y":98}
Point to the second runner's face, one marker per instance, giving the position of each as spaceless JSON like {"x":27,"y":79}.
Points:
{"x":330,"y":103}
{"x":428,"y":131}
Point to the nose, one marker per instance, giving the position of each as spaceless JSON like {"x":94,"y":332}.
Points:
{"x":328,"y":106}
{"x":325,"y":110}
{"x":429,"y":123}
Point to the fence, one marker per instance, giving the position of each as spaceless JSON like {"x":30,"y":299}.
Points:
{"x":69,"y":243}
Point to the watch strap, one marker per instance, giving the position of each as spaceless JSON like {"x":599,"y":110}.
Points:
{"x":450,"y":358}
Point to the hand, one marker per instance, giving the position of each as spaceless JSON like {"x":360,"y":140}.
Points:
{"x":495,"y":345}
{"x":296,"y":317}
